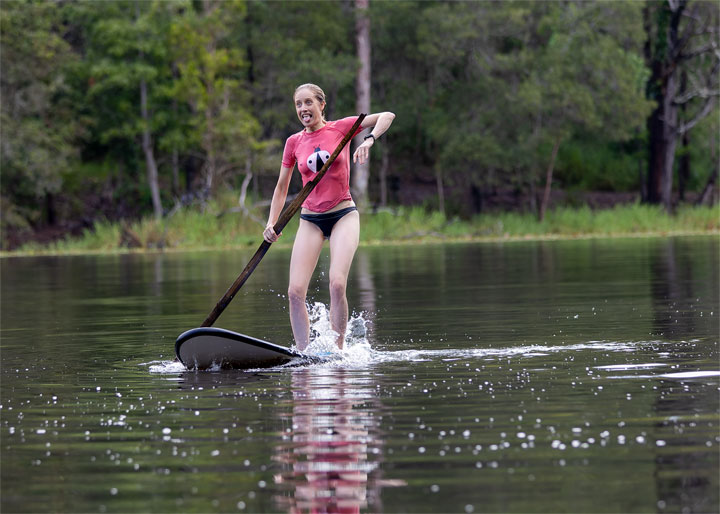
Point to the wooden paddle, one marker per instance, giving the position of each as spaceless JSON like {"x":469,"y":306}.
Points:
{"x":283,"y":220}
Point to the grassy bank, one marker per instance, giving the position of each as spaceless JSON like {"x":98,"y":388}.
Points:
{"x":191,"y":229}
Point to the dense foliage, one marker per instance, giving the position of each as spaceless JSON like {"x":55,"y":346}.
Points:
{"x":490,"y":97}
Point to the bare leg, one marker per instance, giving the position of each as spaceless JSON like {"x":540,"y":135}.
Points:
{"x":343,"y":243}
{"x":306,"y":250}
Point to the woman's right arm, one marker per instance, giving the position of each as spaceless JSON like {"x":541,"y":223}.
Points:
{"x":277,"y":204}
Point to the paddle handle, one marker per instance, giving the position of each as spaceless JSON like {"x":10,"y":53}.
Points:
{"x":283,"y":220}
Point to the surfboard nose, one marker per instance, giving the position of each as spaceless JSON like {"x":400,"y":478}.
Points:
{"x":209,"y":348}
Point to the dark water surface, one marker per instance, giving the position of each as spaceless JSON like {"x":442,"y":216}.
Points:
{"x":575,"y":376}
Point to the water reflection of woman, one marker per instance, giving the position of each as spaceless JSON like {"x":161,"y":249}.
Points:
{"x":331,"y":452}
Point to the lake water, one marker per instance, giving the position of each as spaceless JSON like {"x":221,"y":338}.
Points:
{"x":566,"y":376}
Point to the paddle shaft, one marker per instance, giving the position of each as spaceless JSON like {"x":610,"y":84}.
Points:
{"x":283,"y":220}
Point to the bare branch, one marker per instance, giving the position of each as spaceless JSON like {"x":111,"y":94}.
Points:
{"x":701,"y":86}
{"x":692,"y":15}
{"x":241,"y":201}
{"x":698,"y":93}
{"x":227,"y":167}
{"x":688,"y":31}
{"x":706,"y":49}
{"x":707,"y":108}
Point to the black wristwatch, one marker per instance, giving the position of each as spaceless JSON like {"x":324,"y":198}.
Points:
{"x":370,"y":136}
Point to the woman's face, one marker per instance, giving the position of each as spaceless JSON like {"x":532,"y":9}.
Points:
{"x":309,"y":109}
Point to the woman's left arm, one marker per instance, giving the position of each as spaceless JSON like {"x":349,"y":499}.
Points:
{"x":380,"y":122}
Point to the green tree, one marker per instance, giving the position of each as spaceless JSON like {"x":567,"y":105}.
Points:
{"x":510,"y":82}
{"x":37,"y":126}
{"x":402,"y":73}
{"x":588,"y":76}
{"x":127,"y":64}
{"x":207,"y":49}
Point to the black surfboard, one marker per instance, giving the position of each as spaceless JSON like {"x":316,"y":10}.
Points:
{"x":208,"y":348}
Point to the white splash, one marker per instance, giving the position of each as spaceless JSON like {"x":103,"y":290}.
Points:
{"x":164,"y":367}
{"x":356,"y":350}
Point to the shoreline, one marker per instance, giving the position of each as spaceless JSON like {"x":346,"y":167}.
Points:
{"x":422,"y":239}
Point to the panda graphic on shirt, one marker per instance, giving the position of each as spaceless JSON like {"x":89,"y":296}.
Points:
{"x":317,"y":159}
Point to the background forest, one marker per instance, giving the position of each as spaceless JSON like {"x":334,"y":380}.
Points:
{"x":122,"y":109}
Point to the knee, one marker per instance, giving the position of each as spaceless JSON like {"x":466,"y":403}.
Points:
{"x":296,"y":294}
{"x":338,"y":285}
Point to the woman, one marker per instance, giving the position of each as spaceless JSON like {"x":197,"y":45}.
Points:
{"x":328,"y":213}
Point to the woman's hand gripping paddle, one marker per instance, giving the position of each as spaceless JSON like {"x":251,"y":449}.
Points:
{"x":283,"y":220}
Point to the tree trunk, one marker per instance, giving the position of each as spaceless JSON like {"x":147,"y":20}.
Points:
{"x":662,"y":145}
{"x":440,"y":189}
{"x":710,"y":191}
{"x":175,"y":163}
{"x":175,"y":155}
{"x":210,"y":166}
{"x":548,"y":179}
{"x":50,"y":210}
{"x":361,"y":172}
{"x":663,"y":56}
{"x":684,"y":161}
{"x":683,"y":166}
{"x":383,"y":174}
{"x":147,"y":146}
{"x":208,"y":138}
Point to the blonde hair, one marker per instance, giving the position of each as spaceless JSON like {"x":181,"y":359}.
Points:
{"x":317,"y":92}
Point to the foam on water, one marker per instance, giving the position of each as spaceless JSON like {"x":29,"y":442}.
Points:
{"x":623,"y":367}
{"x":358,"y":351}
{"x":692,"y":374}
{"x":163,"y":367}
{"x":524,"y":351}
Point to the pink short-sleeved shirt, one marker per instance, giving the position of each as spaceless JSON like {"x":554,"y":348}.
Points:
{"x":311,"y":150}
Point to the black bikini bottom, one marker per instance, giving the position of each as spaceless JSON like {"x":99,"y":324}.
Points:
{"x":326,"y":220}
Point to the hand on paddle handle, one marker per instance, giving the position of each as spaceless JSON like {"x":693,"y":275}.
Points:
{"x":269,"y":234}
{"x":362,"y":153}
